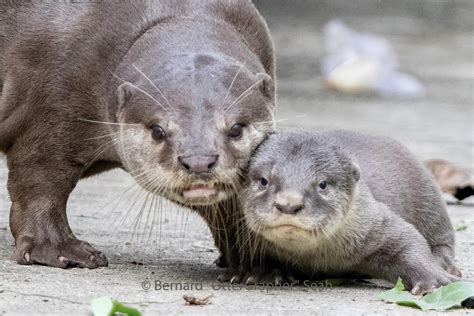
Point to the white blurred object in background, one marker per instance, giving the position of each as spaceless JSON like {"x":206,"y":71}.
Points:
{"x":359,"y":62}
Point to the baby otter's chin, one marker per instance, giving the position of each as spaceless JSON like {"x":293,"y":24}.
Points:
{"x":289,"y":236}
{"x":287,"y":229}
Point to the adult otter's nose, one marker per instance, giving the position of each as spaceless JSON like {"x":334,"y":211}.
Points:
{"x":198,"y":163}
{"x":289,"y":203}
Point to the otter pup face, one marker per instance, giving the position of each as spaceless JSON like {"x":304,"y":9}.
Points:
{"x":188,"y":127}
{"x":300,"y":189}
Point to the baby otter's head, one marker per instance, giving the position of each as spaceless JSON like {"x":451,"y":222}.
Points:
{"x":190,"y":121}
{"x":300,"y":188}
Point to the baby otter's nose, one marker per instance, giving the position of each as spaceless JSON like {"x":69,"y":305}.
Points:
{"x":289,"y":209}
{"x":289,"y":203}
{"x":198,"y":163}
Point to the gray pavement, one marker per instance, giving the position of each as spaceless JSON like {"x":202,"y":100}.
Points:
{"x":180,"y":248}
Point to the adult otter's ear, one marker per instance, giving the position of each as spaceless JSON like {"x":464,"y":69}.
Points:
{"x":266,"y":85}
{"x":356,"y":171}
{"x":124,"y":94}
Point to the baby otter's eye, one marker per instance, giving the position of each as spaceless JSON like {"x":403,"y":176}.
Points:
{"x":157,"y":132}
{"x":323,"y":185}
{"x":236,"y":131}
{"x":263,"y":181}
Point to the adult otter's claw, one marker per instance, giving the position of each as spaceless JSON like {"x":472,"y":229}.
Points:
{"x":66,"y":254}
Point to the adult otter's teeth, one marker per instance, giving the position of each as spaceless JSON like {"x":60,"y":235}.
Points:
{"x":199,"y":191}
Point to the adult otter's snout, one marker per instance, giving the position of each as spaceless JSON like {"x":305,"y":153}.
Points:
{"x":199,"y":163}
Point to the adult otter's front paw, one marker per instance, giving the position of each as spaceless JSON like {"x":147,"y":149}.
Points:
{"x":64,"y":254}
{"x":257,"y":276}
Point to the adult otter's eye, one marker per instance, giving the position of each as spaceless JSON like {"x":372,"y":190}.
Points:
{"x":236,"y":131}
{"x":157,"y":132}
{"x":323,"y":185}
{"x":263,"y":182}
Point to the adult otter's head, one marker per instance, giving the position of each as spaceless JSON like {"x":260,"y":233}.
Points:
{"x":300,"y":188}
{"x":190,"y":122}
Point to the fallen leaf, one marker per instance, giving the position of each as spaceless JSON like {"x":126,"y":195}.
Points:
{"x":462,"y":225}
{"x":445,"y":297}
{"x":105,"y":306}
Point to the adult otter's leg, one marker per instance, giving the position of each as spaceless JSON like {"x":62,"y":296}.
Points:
{"x":405,"y":253}
{"x":221,"y":220}
{"x":39,"y":184}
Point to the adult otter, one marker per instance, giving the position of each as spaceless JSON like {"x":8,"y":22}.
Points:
{"x":178,"y":93}
{"x":341,"y":202}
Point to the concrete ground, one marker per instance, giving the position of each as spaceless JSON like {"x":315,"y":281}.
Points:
{"x":180,"y":248}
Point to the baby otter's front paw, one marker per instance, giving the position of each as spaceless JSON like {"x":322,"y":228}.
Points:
{"x":221,"y":262}
{"x":420,"y":284}
{"x":269,"y":276}
{"x":258,"y":275}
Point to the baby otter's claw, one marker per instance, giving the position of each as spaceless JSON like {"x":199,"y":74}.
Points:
{"x":235,"y":279}
{"x":258,"y":276}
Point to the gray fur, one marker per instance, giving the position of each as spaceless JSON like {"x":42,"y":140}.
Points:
{"x":380,"y":215}
{"x":83,"y":84}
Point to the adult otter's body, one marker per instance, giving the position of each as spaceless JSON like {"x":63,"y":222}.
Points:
{"x":340,"y":202}
{"x":178,"y":93}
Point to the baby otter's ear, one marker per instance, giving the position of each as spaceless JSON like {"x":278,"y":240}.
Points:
{"x":266,"y":85}
{"x":356,"y":171}
{"x":124,"y":93}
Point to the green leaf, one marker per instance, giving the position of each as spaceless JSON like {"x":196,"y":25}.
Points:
{"x":462,"y":225}
{"x":105,"y":306}
{"x":445,"y":297}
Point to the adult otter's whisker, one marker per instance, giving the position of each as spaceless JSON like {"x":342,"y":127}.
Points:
{"x":108,"y":123}
{"x":281,"y":120}
{"x":103,"y":148}
{"x":152,"y":83}
{"x":142,"y":91}
{"x":232,"y":83}
{"x":103,"y":136}
{"x":243,"y":95}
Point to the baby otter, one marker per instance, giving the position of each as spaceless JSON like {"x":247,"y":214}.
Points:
{"x":342,"y":202}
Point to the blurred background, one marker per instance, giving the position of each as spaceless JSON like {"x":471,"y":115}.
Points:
{"x":433,"y":41}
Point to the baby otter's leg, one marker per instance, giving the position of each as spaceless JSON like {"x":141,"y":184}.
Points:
{"x":40,"y":180}
{"x":405,"y":253}
{"x":444,"y":256}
